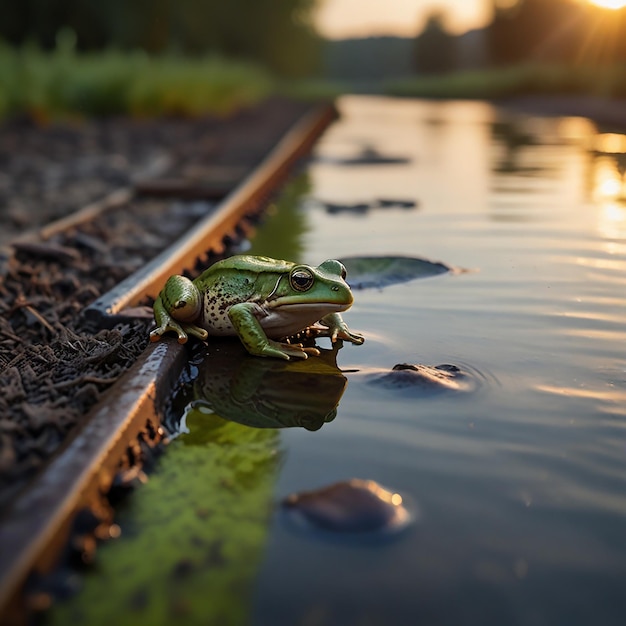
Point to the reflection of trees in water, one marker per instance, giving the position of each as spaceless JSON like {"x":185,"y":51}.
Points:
{"x":515,"y":136}
{"x":511,"y":137}
{"x":284,"y":223}
{"x":523,"y":158}
{"x":192,"y":536}
{"x":605,"y":168}
{"x":607,"y":176}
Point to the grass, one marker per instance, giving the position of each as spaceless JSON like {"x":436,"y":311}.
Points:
{"x":608,"y":82}
{"x":63,"y":83}
{"x":46,"y":85}
{"x":314,"y":89}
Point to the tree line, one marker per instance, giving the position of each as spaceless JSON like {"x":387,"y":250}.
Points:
{"x":276,"y":33}
{"x":279,"y":33}
{"x":564,"y":32}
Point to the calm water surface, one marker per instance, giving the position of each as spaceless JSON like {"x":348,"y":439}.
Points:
{"x":519,"y":486}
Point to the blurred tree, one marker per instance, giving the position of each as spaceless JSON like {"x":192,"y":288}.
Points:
{"x":435,"y":49}
{"x":556,"y":31}
{"x":277,"y":33}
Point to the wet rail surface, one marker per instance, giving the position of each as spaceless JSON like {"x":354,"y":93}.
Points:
{"x":66,"y":503}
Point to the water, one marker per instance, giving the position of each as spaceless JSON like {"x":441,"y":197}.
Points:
{"x":522,"y":484}
{"x":518,"y":485}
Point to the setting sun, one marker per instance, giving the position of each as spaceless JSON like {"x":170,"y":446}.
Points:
{"x":609,"y":4}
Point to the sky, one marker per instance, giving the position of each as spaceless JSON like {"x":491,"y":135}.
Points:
{"x":338,"y":19}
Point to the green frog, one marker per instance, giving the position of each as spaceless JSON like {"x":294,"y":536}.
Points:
{"x":260,"y":300}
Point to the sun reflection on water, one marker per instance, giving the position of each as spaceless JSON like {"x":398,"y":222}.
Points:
{"x":608,"y":190}
{"x":610,"y":143}
{"x":608,"y":400}
{"x":612,"y":225}
{"x":608,"y":181}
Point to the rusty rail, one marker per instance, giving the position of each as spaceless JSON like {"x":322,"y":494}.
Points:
{"x":245,"y":200}
{"x":39,"y":523}
{"x":37,"y":526}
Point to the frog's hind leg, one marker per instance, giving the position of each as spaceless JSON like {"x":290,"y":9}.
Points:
{"x":256,"y":341}
{"x":165,"y":323}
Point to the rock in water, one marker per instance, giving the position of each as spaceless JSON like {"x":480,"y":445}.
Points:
{"x":352,"y":506}
{"x":423,"y":380}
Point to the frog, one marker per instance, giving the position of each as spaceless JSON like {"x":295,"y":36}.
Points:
{"x":261,"y":300}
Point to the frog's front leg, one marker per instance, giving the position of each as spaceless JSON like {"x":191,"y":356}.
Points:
{"x":338,"y":329}
{"x":177,"y":306}
{"x":256,"y":341}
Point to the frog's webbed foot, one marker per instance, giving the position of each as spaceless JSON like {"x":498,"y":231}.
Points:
{"x":287,"y":351}
{"x":182,"y":330}
{"x":157,"y":333}
{"x":196,"y":331}
{"x":338,"y":329}
{"x":347,"y":335}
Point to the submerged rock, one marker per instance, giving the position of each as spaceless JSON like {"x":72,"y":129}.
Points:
{"x":352,"y":506}
{"x":424,"y":379}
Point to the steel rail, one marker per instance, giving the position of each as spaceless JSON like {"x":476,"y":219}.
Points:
{"x":208,"y":235}
{"x":37,"y":526}
{"x":39,"y":523}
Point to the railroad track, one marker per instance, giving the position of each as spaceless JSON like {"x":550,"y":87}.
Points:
{"x":67,"y":505}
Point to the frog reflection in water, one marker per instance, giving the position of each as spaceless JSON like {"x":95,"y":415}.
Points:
{"x":263,"y":393}
{"x":259,"y":299}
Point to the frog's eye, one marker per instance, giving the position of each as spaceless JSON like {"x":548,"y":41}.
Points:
{"x":343,"y":271}
{"x":301,"y":279}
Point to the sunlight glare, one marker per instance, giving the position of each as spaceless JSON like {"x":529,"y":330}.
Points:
{"x":609,"y":4}
{"x":608,"y":182}
{"x":610,"y":143}
{"x":577,"y":129}
{"x":612,"y":227}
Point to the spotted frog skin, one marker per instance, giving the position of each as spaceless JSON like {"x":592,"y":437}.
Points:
{"x":260,"y":300}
